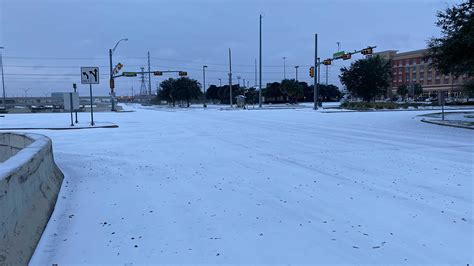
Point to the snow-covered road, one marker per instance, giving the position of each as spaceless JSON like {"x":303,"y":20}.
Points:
{"x":268,"y":186}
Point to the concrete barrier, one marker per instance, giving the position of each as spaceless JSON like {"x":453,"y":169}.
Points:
{"x":29,"y":186}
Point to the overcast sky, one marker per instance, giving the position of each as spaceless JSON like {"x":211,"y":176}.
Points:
{"x":46,"y":42}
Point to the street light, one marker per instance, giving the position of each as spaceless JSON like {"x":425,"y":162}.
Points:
{"x":296,"y":69}
{"x":204,"y":84}
{"x":284,"y":67}
{"x":112,"y":83}
{"x":220,"y":82}
{"x":3,"y":81}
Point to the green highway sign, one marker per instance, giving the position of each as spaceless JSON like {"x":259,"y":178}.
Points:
{"x":338,"y":55}
{"x":129,"y":74}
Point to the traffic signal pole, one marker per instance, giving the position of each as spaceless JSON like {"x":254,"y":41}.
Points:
{"x":260,"y":67}
{"x":111,"y":83}
{"x":315,"y":86}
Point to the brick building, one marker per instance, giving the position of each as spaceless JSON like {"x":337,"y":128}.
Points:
{"x":414,"y":67}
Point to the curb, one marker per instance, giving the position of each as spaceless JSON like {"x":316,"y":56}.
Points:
{"x":57,"y":128}
{"x":444,"y":124}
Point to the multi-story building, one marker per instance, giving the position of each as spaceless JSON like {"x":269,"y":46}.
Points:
{"x":414,"y":67}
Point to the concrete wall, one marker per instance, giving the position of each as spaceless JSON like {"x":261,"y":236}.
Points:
{"x":29,"y":186}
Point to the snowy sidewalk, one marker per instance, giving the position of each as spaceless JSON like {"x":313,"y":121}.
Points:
{"x":276,"y":186}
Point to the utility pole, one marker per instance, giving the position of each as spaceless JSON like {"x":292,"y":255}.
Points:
{"x":238,"y":80}
{"x":3,"y":81}
{"x":204,"y":85}
{"x":315,"y":87}
{"x":244,"y":83}
{"x":296,"y":69}
{"x":220,"y":82}
{"x":230,"y":78}
{"x":260,"y":67}
{"x":149,"y":77}
{"x":284,"y":67}
{"x":327,"y":75}
{"x":143,"y":90}
{"x":255,"y":84}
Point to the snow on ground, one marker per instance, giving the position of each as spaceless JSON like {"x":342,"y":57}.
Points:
{"x":260,"y":186}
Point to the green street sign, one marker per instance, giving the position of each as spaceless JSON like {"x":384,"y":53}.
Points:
{"x":338,"y":55}
{"x":129,"y":74}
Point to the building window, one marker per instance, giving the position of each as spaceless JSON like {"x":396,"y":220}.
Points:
{"x":414,"y":76}
{"x":428,"y":82}
{"x":403,"y":62}
{"x":417,"y":60}
{"x":430,"y":74}
{"x":410,"y":61}
{"x":437,"y":81}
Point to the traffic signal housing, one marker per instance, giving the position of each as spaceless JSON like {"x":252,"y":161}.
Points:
{"x":158,"y":73}
{"x":327,"y":62}
{"x":366,"y":51}
{"x":183,"y":73}
{"x":346,"y":57}
{"x":311,"y":72}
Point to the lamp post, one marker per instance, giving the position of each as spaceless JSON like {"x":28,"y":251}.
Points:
{"x":204,"y":85}
{"x":112,"y":83}
{"x":220,"y":82}
{"x":3,"y":81}
{"x":296,"y":69}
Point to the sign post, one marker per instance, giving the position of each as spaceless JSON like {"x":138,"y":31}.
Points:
{"x":71,"y":103}
{"x":75,"y":87}
{"x":90,"y":75}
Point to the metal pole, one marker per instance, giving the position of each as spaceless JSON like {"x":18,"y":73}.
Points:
{"x":315,"y":86}
{"x":75,"y":86}
{"x":92,"y":108}
{"x":296,"y":69}
{"x":327,"y":74}
{"x":204,"y":84}
{"x":149,"y":77}
{"x":319,"y":80}
{"x":230,"y":78}
{"x":111,"y":78}
{"x":260,"y":67}
{"x":3,"y":81}
{"x":284,"y":67}
{"x":70,"y":102}
{"x":220,"y":82}
{"x":255,"y":84}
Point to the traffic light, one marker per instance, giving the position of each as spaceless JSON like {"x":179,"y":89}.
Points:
{"x":366,"y":51}
{"x":129,"y":74}
{"x":327,"y":62}
{"x":311,"y":72}
{"x":158,"y":73}
{"x":117,"y":68}
{"x":112,"y":84}
{"x":183,"y":73}
{"x":346,"y":57}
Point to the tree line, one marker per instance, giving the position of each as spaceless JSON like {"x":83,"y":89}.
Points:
{"x":287,"y":91}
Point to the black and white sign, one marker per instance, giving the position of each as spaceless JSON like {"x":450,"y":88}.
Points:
{"x":89,"y":75}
